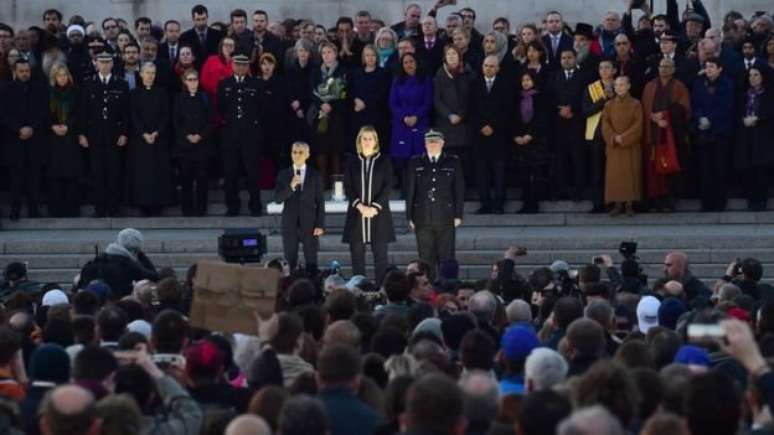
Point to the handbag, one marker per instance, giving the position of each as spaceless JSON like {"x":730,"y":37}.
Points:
{"x":665,"y":152}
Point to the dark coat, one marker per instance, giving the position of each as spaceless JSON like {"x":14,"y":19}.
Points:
{"x":240,"y":105}
{"x":192,"y":116}
{"x":65,"y":155}
{"x":634,"y":68}
{"x":410,"y":96}
{"x":568,"y":93}
{"x":754,"y":144}
{"x":202,"y":52}
{"x":305,"y":210}
{"x":445,"y":180}
{"x":717,"y":106}
{"x":492,"y":108}
{"x":164,"y":53}
{"x":536,"y":152}
{"x":299,"y":81}
{"x":332,"y":140}
{"x":373,"y":88}
{"x":98,"y":130}
{"x":275,"y":103}
{"x":149,"y":165}
{"x":452,"y":95}
{"x":26,"y":105}
{"x":119,"y":272}
{"x":432,"y":58}
{"x":553,"y":57}
{"x":375,"y":192}
{"x":347,"y":415}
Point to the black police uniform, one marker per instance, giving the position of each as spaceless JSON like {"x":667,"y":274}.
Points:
{"x":435,"y":196}
{"x":240,"y":105}
{"x":104,"y":117}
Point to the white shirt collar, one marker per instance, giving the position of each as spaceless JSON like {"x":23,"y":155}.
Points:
{"x":302,"y":168}
{"x":105,"y":78}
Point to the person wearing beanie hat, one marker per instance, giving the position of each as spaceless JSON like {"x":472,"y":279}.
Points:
{"x":122,"y":264}
{"x":695,"y":357}
{"x":515,"y":346}
{"x":670,"y":311}
{"x":647,"y":313}
{"x":140,"y":326}
{"x":75,"y":29}
{"x":49,"y":367}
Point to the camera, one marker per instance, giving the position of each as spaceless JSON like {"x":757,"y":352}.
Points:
{"x":704,"y":333}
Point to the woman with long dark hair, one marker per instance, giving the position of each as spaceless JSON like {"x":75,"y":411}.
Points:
{"x":530,"y":140}
{"x":753,"y":154}
{"x":411,"y":101}
{"x":367,"y":184}
{"x":66,"y":158}
{"x":370,"y":90}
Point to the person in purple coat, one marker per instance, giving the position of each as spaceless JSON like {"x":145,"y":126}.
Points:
{"x":411,"y":101}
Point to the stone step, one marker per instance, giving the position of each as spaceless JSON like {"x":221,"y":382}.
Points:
{"x":335,"y":222}
{"x":217,"y":207}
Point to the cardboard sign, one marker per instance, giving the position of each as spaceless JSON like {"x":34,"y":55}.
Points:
{"x":227,"y":296}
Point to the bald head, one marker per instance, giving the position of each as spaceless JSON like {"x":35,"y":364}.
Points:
{"x":248,"y":425}
{"x":344,"y":332}
{"x":69,"y":409}
{"x":675,"y":265}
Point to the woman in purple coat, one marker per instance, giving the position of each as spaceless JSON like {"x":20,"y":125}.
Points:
{"x":411,"y":102}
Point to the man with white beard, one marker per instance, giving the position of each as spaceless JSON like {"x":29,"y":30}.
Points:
{"x":587,"y":59}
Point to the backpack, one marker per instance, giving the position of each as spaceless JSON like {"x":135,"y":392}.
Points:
{"x":94,"y":268}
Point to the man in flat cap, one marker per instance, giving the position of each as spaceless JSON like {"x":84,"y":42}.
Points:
{"x":435,"y":199}
{"x":104,"y":132}
{"x":240,"y":105}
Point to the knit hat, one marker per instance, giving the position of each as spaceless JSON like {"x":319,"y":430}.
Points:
{"x":50,"y":362}
{"x":431,"y":325}
{"x":647,"y":313}
{"x":518,"y":341}
{"x":75,"y":28}
{"x":670,"y":311}
{"x":130,"y":239}
{"x":693,"y":16}
{"x":54,"y":297}
{"x":140,"y":326}
{"x":692,"y":356}
{"x":100,"y":289}
{"x":560,"y":266}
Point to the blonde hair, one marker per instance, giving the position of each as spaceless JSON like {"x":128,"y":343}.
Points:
{"x":55,"y":71}
{"x":366,"y":129}
{"x":372,"y":48}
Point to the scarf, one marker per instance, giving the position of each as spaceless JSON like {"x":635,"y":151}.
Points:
{"x":384,"y":55}
{"x":527,"y":105}
{"x":61,"y":103}
{"x":754,"y":100}
{"x":456,"y":72}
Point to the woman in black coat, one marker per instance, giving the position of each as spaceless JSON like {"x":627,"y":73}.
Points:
{"x":193,"y":129}
{"x":370,"y":88}
{"x":753,"y":154}
{"x":328,"y":112}
{"x":299,"y":80}
{"x":149,"y":161}
{"x":367,"y":184}
{"x":529,"y":138}
{"x":274,"y":100}
{"x":65,"y":158}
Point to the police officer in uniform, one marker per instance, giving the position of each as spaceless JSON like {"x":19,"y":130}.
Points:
{"x":435,"y":199}
{"x":239,"y":101}
{"x":104,"y":132}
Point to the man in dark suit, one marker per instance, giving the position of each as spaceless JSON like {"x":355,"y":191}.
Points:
{"x":203,"y":39}
{"x":239,"y":100}
{"x":165,"y":77}
{"x":492,"y":105}
{"x":566,"y":88}
{"x":27,"y":125}
{"x":170,"y":49}
{"x":409,"y":27}
{"x":104,"y":130}
{"x":556,"y":41}
{"x":435,"y":199}
{"x":265,"y":40}
{"x":300,"y":190}
{"x":429,"y":45}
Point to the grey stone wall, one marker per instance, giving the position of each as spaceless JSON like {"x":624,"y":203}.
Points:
{"x":28,"y":12}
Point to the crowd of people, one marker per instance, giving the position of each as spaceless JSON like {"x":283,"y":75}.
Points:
{"x":598,"y":350}
{"x":629,"y":114}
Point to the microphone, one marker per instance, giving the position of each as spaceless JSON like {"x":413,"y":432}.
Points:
{"x":298,"y":174}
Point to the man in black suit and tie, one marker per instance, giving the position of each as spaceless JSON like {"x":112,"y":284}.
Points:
{"x":492,"y":103}
{"x":203,"y":39}
{"x":429,"y":45}
{"x":556,"y":41}
{"x":567,"y":88}
{"x":170,"y":49}
{"x":300,"y":190}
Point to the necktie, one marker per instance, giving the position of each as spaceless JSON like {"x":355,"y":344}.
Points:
{"x":202,"y":38}
{"x":104,"y":81}
{"x":172,"y":54}
{"x":749,"y":64}
{"x":569,"y":75}
{"x":433,"y":159}
{"x":554,"y":44}
{"x":489,"y":83}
